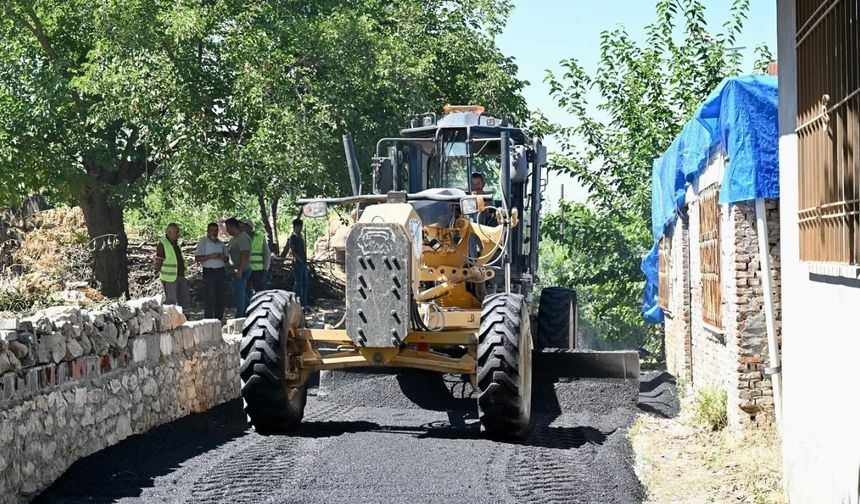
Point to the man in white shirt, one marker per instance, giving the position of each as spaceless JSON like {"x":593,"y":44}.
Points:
{"x":211,"y":253}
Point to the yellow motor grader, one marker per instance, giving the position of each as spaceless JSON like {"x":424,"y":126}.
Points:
{"x":439,"y":277}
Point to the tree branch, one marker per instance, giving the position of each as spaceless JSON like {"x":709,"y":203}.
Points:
{"x":125,"y":160}
{"x":39,"y":32}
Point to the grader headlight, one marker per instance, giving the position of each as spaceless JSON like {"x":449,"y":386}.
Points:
{"x":469,"y":205}
{"x":315,"y":209}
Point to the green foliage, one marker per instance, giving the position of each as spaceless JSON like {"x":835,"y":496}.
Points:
{"x":709,"y":408}
{"x":313,"y":229}
{"x":646,"y":94}
{"x":592,"y":250}
{"x":763,"y":59}
{"x":233,"y":104}
{"x":160,"y":207}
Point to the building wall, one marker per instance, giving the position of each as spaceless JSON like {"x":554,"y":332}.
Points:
{"x":821,"y":333}
{"x":733,"y":357}
{"x":677,"y":326}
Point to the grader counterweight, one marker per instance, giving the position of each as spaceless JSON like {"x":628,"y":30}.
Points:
{"x":439,"y":277}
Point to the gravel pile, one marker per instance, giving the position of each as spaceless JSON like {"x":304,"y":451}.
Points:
{"x":411,"y":436}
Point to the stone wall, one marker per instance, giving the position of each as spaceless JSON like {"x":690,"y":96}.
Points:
{"x":732,"y":357}
{"x":75,"y":381}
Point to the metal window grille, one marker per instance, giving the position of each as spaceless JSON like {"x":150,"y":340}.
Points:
{"x":709,"y":254}
{"x":827,"y":41}
{"x":664,"y":257}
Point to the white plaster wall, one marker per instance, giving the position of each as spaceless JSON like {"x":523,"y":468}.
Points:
{"x":821,"y":335}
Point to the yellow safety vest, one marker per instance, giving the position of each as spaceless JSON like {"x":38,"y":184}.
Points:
{"x":256,"y":259}
{"x":170,"y":266}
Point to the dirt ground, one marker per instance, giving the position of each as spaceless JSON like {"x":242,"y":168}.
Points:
{"x":680,"y":461}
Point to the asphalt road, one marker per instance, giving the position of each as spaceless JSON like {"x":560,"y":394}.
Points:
{"x":411,"y":437}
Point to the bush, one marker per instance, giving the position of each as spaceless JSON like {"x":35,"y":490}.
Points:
{"x":710,"y":408}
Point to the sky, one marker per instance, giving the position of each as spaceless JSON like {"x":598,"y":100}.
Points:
{"x":540,"y":33}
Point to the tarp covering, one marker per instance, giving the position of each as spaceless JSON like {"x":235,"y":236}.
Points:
{"x":740,"y":118}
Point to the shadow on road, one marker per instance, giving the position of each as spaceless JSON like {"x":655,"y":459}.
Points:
{"x":125,"y":469}
{"x":658,"y":394}
{"x":435,"y":392}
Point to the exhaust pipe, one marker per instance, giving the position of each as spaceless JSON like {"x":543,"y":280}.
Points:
{"x":352,"y":164}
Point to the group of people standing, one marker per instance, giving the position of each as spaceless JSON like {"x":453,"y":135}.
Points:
{"x":244,"y":261}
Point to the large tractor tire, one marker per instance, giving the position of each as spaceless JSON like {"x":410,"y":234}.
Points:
{"x":504,"y":366}
{"x":274,"y":402}
{"x":557,"y":318}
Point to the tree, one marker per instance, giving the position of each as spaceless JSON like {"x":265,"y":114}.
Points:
{"x":646,"y":92}
{"x":363,"y":68}
{"x":221,"y":100}
{"x":96,"y":96}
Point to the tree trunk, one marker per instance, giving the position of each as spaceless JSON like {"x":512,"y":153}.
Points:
{"x":276,"y":244}
{"x":271,"y":231}
{"x":108,"y":242}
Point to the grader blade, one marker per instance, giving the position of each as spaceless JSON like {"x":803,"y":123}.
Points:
{"x":554,"y":363}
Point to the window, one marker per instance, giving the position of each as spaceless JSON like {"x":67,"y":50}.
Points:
{"x":709,"y":256}
{"x":664,"y":256}
{"x":828,"y":136}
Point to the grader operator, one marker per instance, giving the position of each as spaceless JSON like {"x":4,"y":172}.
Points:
{"x":428,"y":285}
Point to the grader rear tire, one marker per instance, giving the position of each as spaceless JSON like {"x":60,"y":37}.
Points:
{"x":272,"y":404}
{"x":504,"y":366}
{"x":557,"y":318}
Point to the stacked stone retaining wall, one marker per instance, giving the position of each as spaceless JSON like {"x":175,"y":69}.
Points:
{"x":74,"y":381}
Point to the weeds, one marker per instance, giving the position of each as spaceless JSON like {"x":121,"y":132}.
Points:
{"x":682,"y":383}
{"x":709,"y":408}
{"x":16,"y":301}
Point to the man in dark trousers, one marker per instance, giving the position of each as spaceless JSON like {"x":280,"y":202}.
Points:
{"x":211,"y":253}
{"x":170,"y":266}
{"x":240,"y":252}
{"x":297,"y":250}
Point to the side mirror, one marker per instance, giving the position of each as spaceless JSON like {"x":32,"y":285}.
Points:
{"x":519,"y":164}
{"x":315,"y":209}
{"x":540,"y":155}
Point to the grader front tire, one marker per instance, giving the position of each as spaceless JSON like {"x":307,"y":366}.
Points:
{"x":272,"y":404}
{"x":504,"y":366}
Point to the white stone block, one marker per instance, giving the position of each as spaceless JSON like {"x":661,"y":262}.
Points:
{"x":8,"y":324}
{"x":166,"y":344}
{"x":138,"y":350}
{"x":187,"y":337}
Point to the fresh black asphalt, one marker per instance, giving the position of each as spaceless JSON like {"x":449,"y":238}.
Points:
{"x":410,"y":437}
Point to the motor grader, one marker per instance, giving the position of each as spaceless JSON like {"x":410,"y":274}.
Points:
{"x":437,"y":278}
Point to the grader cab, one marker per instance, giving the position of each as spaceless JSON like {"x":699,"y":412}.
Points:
{"x":439,"y":277}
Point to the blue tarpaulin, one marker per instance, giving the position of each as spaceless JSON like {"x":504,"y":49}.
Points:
{"x":740,"y":118}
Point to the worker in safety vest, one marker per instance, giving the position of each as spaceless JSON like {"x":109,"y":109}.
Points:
{"x":170,"y":265}
{"x":260,"y":259}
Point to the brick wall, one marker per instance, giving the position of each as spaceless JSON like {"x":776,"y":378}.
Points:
{"x":732,"y":358}
{"x":754,"y":389}
{"x":677,"y":326}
